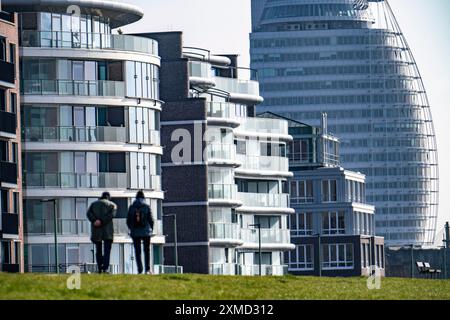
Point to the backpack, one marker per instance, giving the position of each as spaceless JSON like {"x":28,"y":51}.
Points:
{"x":138,"y":219}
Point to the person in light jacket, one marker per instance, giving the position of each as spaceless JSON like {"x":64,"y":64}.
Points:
{"x":140,"y":222}
{"x":101,"y":214}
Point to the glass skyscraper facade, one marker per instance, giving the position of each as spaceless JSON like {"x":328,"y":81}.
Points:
{"x":349,"y":58}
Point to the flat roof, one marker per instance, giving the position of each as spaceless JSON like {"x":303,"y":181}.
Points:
{"x":119,"y":13}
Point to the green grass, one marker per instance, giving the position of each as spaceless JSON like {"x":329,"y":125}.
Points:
{"x":198,"y":287}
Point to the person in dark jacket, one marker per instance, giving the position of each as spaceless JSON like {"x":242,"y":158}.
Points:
{"x":140,"y":222}
{"x":101,"y":214}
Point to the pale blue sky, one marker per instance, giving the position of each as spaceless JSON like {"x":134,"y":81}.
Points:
{"x":224,"y":26}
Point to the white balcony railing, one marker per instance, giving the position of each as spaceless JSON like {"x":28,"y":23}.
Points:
{"x":229,"y":269}
{"x":276,"y":200}
{"x":224,"y":231}
{"x":264,"y":125}
{"x":267,"y":235}
{"x":239,"y":86}
{"x":266,"y":270}
{"x":263,"y":163}
{"x":222,"y":191}
{"x":221,"y":151}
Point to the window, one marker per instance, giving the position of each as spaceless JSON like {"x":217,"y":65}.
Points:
{"x":333,"y":223}
{"x":2,"y":48}
{"x":301,"y":224}
{"x":337,"y":256}
{"x":241,"y":147}
{"x":13,"y":102}
{"x":301,"y":258}
{"x":299,"y":151}
{"x":12,"y":53}
{"x":329,"y":191}
{"x":302,"y":191}
{"x":266,"y":258}
{"x":2,"y":99}
{"x":268,"y":222}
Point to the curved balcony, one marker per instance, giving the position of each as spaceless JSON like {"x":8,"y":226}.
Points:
{"x":223,"y":194}
{"x":75,"y":134}
{"x":222,"y":154}
{"x":264,"y":202}
{"x":88,"y":40}
{"x":263,"y":166}
{"x":240,"y":90}
{"x":225,"y":234}
{"x":223,"y":113}
{"x":76,"y":180}
{"x":229,"y":269}
{"x":74,"y":88}
{"x":200,"y":74}
{"x":264,"y":126}
{"x":268,"y":236}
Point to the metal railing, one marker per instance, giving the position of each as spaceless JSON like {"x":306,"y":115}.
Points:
{"x":267,"y":235}
{"x":75,"y":134}
{"x":222,"y":191}
{"x":101,"y":88}
{"x":88,"y":40}
{"x":8,"y":172}
{"x":9,"y":223}
{"x":76,"y":180}
{"x":200,"y":69}
{"x":160,"y":269}
{"x":224,"y":231}
{"x":8,"y":73}
{"x":274,"y":200}
{"x":64,"y":268}
{"x":264,"y":163}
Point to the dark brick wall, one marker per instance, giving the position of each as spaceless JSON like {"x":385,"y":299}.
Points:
{"x":185,"y":183}
{"x":193,"y":259}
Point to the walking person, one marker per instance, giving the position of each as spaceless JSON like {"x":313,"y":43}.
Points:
{"x":101,"y":214}
{"x":140,"y":222}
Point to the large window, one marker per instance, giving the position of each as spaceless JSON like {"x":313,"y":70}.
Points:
{"x":301,"y":224}
{"x":299,"y":151}
{"x":333,"y":223}
{"x":302,"y":191}
{"x":337,"y":256}
{"x":302,"y":258}
{"x":142,"y":80}
{"x":329,"y":190}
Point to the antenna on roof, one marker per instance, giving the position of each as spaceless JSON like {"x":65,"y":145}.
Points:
{"x":324,"y":123}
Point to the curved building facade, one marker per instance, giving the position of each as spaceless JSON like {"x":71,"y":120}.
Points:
{"x":349,"y":58}
{"x":91,"y":121}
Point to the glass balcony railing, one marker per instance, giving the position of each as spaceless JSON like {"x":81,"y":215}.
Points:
{"x":87,"y":40}
{"x":225,"y":110}
{"x":224,"y":231}
{"x":74,"y":88}
{"x":223,"y":269}
{"x":80,"y":227}
{"x":267,"y":235}
{"x":200,"y":69}
{"x":264,"y":125}
{"x":222,"y":191}
{"x":75,"y":134}
{"x":8,"y":122}
{"x":275,"y":200}
{"x":239,"y":86}
{"x":221,"y":151}
{"x":266,"y":270}
{"x":263,"y":163}
{"x":76,"y":180}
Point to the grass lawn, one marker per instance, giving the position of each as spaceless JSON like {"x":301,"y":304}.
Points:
{"x":199,"y":287}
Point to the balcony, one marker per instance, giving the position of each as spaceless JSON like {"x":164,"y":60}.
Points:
{"x":222,"y":191}
{"x":8,"y":122}
{"x":229,"y":269}
{"x":8,"y":73}
{"x":264,"y":163}
{"x":239,"y":89}
{"x":6,"y":16}
{"x":264,"y":125}
{"x":64,"y":227}
{"x":267,"y":235}
{"x":160,"y":269}
{"x":75,"y":180}
{"x":8,"y":172}
{"x":75,"y":134}
{"x":266,"y":270}
{"x":87,"y":40}
{"x":267,"y":200}
{"x":74,"y":88}
{"x":220,"y":152}
{"x":224,"y":110}
{"x":224,"y":231}
{"x":10,"y":224}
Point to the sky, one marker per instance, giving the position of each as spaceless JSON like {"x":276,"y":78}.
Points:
{"x":223,"y":26}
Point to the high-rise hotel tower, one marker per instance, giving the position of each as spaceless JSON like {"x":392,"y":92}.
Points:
{"x":349,"y":58}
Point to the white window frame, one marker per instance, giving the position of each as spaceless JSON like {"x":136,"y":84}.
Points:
{"x":338,"y":264}
{"x":330,"y":215}
{"x":304,"y":265}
